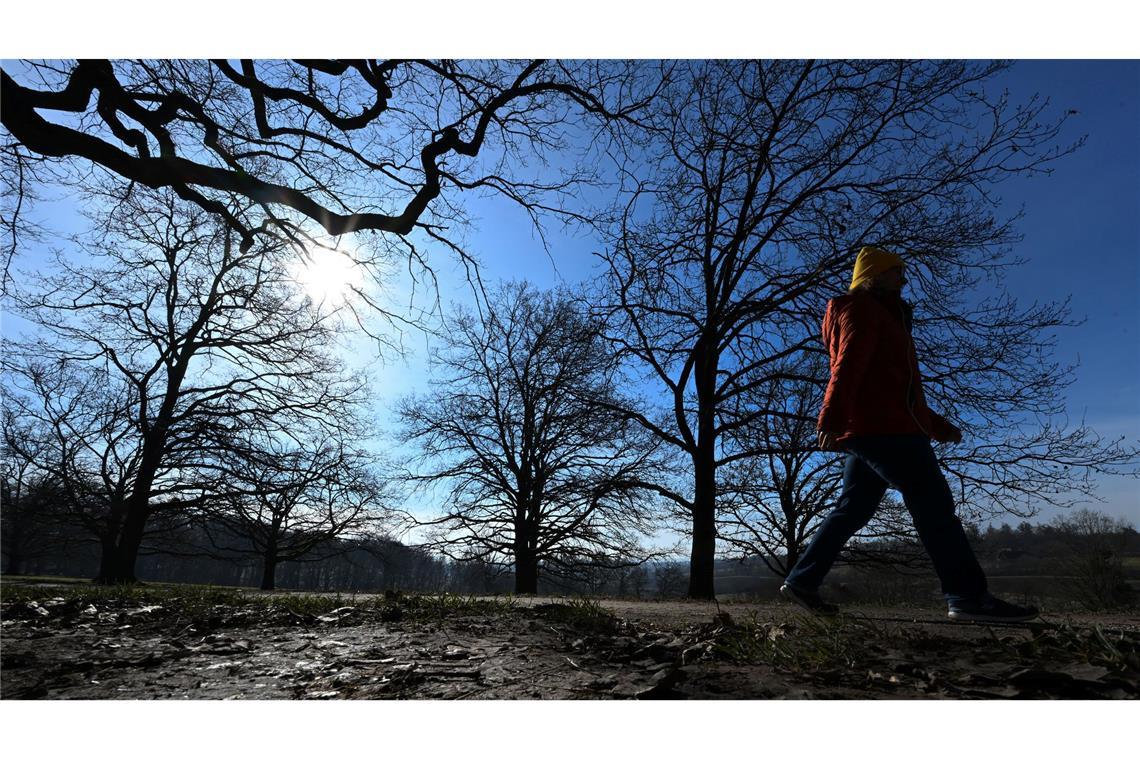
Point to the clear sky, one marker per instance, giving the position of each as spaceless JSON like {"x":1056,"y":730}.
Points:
{"x":1082,"y":238}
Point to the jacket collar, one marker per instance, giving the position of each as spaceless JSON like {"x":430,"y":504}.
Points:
{"x":894,"y":304}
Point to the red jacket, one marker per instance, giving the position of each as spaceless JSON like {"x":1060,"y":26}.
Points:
{"x":875,"y":385}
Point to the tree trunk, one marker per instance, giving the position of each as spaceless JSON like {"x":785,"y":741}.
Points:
{"x":108,"y":560}
{"x":526,"y":572}
{"x":269,"y":571}
{"x":701,"y":560}
{"x":129,"y":550}
{"x":526,"y":559}
{"x":15,"y":563}
{"x":793,"y":548}
{"x":121,"y":552}
{"x":137,"y":511}
{"x":14,"y":534}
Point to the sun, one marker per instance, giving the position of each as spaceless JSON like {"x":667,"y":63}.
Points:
{"x":328,"y":277}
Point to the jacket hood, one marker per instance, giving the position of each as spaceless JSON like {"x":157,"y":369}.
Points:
{"x":872,"y":261}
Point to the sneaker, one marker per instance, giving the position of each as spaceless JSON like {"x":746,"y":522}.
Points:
{"x":809,"y":600}
{"x":990,"y":609}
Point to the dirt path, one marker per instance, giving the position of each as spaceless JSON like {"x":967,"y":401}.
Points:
{"x":540,"y":648}
{"x":673,"y":613}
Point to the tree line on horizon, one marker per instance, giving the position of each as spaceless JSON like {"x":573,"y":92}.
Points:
{"x":178,"y":378}
{"x":1084,"y":558}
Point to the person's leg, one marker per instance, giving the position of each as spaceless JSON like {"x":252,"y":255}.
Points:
{"x":863,"y":489}
{"x":909,"y":464}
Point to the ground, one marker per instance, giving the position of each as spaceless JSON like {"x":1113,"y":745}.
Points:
{"x":83,"y":642}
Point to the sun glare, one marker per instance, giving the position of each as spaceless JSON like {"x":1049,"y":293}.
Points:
{"x":329,"y":276}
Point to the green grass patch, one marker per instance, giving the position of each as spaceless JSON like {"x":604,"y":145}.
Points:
{"x":451,"y":605}
{"x":1115,"y":650}
{"x":205,"y":601}
{"x":582,"y":614}
{"x":16,"y":580}
{"x":811,"y":643}
{"x":123,"y":596}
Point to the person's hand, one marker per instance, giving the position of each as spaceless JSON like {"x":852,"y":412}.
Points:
{"x":952,"y":435}
{"x":827,"y":441}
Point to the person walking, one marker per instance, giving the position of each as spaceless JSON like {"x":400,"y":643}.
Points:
{"x":874,"y":410}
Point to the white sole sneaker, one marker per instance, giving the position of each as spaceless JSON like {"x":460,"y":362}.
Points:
{"x":981,"y":617}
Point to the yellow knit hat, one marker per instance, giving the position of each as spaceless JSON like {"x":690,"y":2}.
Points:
{"x":872,"y":261}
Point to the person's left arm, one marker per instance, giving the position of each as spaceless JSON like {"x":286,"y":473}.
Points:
{"x":943,"y":430}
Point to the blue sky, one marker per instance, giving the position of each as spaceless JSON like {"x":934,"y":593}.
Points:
{"x":1082,"y":238}
{"x":1082,"y":229}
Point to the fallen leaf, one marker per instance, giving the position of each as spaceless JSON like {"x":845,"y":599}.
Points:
{"x":1085,"y":672}
{"x":662,"y":685}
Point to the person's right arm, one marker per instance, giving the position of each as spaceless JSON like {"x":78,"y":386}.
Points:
{"x":854,"y":336}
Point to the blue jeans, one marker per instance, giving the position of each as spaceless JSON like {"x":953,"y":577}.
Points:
{"x":906,"y":463}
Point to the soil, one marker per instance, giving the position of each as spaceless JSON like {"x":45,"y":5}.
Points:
{"x":541,"y":648}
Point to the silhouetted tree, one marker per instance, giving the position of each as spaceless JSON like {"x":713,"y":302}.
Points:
{"x":771,"y":504}
{"x":1094,"y":558}
{"x":669,"y":578}
{"x":744,"y":216}
{"x":349,"y":145}
{"x":518,"y":427}
{"x":288,"y":499}
{"x":77,"y":437}
{"x":638,"y":579}
{"x":32,"y":506}
{"x":152,"y":352}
